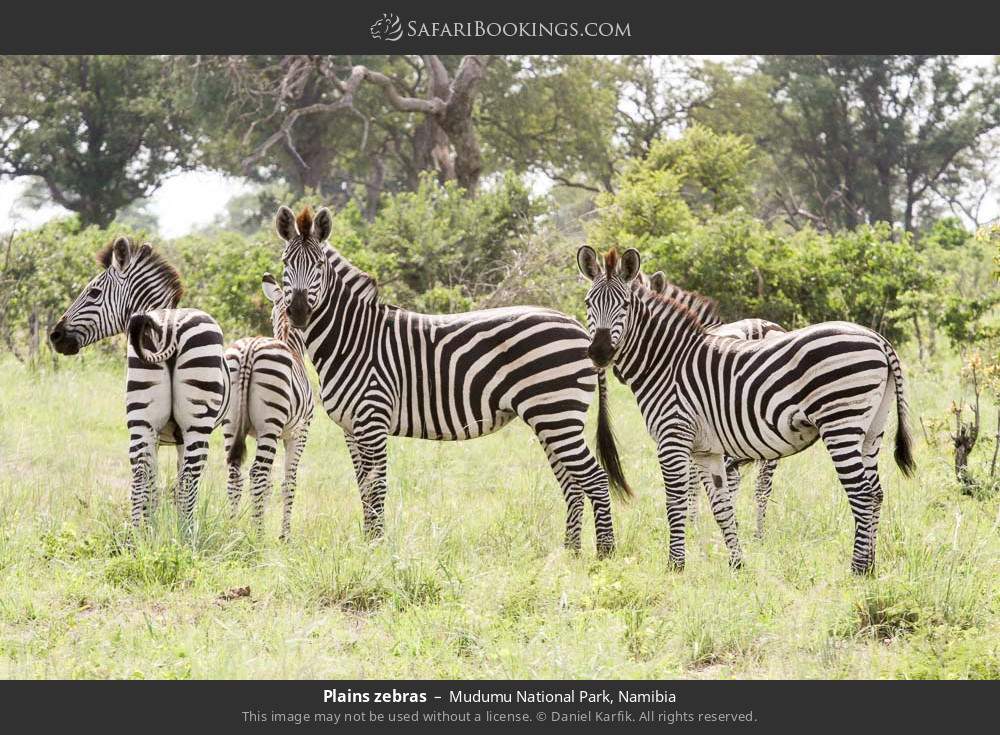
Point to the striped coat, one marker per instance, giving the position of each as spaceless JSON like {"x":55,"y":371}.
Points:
{"x":272,"y":401}
{"x":705,"y":397}
{"x":177,"y":387}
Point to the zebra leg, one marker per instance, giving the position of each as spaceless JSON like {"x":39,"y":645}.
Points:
{"x":371,"y":447}
{"x":576,"y":469}
{"x":260,"y":476}
{"x":732,"y":475}
{"x":692,"y":501}
{"x":713,"y":471}
{"x":142,"y":458}
{"x":195,"y":452}
{"x":674,"y":454}
{"x":574,"y":502}
{"x":871,"y":451}
{"x":234,"y":488}
{"x":762,"y":492}
{"x":844,"y":446}
{"x":293,"y":453}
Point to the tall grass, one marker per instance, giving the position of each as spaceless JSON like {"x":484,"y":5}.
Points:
{"x":471,"y":580}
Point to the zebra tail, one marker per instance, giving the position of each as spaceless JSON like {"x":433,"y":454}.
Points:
{"x":237,"y":450}
{"x":904,"y":439}
{"x":607,"y":451}
{"x":136,"y":329}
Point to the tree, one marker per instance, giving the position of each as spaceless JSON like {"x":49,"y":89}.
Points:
{"x":855,"y":139}
{"x":100,"y":131}
{"x":312,"y":120}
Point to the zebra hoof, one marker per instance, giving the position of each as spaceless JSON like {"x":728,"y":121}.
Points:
{"x":675,"y":565}
{"x":863,"y":570}
{"x":736,"y":564}
{"x":605,"y":550}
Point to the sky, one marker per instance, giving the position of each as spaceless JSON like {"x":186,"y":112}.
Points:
{"x":189,"y":200}
{"x":184,"y":202}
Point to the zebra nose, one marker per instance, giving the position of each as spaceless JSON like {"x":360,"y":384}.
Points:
{"x":298,"y":310}
{"x":600,"y":349}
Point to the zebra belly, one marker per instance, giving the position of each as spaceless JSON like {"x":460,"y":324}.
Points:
{"x":477,"y":428}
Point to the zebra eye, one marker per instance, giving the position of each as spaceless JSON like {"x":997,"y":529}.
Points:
{"x":94,"y":293}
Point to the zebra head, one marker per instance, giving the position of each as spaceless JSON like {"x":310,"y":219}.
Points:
{"x":280,"y":324}
{"x":135,"y":279}
{"x":608,"y":300}
{"x":305,"y":273}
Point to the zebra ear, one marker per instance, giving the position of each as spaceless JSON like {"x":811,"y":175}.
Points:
{"x":121,"y":253}
{"x":628,"y":267}
{"x":586,"y":260}
{"x":658,"y":282}
{"x":271,"y":288}
{"x":284,"y":223}
{"x":322,"y":225}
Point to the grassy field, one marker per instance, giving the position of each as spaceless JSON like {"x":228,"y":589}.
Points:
{"x":471,"y":580}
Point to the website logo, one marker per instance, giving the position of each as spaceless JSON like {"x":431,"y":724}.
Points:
{"x":387,"y":28}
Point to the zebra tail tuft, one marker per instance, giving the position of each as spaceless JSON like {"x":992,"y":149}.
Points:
{"x":607,"y":451}
{"x":904,"y":439}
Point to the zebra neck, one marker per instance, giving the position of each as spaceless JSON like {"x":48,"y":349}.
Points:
{"x":341,"y":341}
{"x":660,"y":335}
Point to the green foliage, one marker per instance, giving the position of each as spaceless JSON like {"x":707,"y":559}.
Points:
{"x":682,"y":182}
{"x":684,"y":207}
{"x":437,"y":238}
{"x":43,"y":271}
{"x":100,"y":131}
{"x":221,"y":275}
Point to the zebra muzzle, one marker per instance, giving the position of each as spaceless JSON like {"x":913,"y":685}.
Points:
{"x":601,"y":350}
{"x":62,"y":341}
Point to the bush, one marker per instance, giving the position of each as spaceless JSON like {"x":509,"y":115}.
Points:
{"x":683,"y":206}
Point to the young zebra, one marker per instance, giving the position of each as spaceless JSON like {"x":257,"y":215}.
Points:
{"x":386,"y":371}
{"x":271,"y":400}
{"x":743,"y":329}
{"x":705,"y":397}
{"x":177,"y":386}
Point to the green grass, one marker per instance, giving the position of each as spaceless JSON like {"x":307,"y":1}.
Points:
{"x":471,"y":580}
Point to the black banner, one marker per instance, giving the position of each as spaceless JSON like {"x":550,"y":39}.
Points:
{"x":640,"y":705}
{"x":435,"y":26}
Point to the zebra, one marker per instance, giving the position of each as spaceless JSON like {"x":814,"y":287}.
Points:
{"x":704,"y":396}
{"x":271,"y":400}
{"x":750,"y":329}
{"x":386,"y":371}
{"x":177,"y":386}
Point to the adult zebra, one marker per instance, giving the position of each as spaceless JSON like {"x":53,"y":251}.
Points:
{"x":742,"y":329}
{"x":386,"y":371}
{"x":177,"y":386}
{"x":705,"y":396}
{"x":271,"y":400}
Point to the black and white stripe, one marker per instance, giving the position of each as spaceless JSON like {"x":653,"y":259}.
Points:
{"x":271,"y":400}
{"x":749,"y":329}
{"x":705,"y":397}
{"x":386,"y":371}
{"x":177,"y":386}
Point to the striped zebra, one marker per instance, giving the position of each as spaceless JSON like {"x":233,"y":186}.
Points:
{"x":271,"y":399}
{"x":743,"y":329}
{"x":177,"y":386}
{"x":705,"y":397}
{"x":386,"y":371}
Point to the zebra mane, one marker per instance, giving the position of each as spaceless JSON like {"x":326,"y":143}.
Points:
{"x":700,"y":310}
{"x":337,"y":260}
{"x":157,"y":264}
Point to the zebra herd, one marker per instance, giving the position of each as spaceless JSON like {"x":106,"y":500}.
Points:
{"x":713,"y":395}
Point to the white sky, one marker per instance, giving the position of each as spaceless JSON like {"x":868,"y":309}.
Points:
{"x":186,"y":201}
